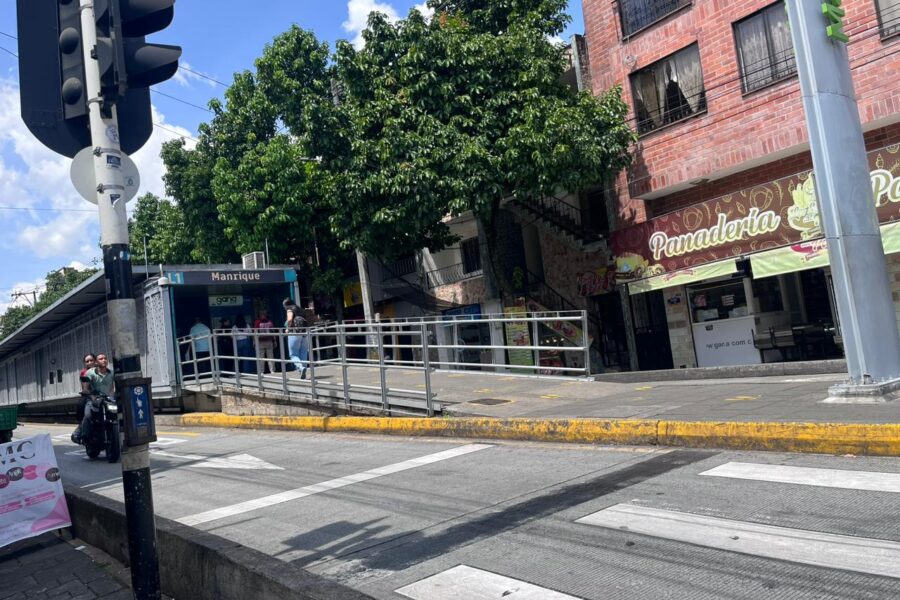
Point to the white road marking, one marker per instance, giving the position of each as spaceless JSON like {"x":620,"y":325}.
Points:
{"x":333,"y":484}
{"x":831,"y":478}
{"x":833,"y":551}
{"x":100,"y":483}
{"x":474,"y":584}
{"x":237,"y":461}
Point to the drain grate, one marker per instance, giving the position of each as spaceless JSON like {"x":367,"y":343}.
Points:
{"x":489,"y":401}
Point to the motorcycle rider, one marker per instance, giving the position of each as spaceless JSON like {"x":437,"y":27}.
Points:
{"x":100,"y":379}
{"x":90,"y":361}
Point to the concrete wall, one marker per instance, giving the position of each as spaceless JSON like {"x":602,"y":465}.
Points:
{"x":681,"y":335}
{"x":198,"y":565}
{"x":470,"y":291}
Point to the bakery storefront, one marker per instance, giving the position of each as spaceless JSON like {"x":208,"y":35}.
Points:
{"x":745,"y":278}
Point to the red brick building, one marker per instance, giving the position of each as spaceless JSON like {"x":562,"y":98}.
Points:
{"x":716,"y":101}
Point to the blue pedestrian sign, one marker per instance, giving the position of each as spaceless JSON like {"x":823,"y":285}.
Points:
{"x":138,"y":412}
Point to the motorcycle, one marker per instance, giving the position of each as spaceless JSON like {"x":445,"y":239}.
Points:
{"x":102,"y":428}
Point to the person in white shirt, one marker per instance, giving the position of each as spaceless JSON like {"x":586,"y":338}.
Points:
{"x":244,"y":344}
{"x":202,"y":336}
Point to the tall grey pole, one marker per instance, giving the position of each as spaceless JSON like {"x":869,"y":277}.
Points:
{"x":368,"y":309}
{"x":846,"y":201}
{"x":122,"y":312}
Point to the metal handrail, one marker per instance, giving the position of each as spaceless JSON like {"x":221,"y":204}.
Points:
{"x":415,"y":345}
{"x":450,"y":274}
{"x":562,"y":214}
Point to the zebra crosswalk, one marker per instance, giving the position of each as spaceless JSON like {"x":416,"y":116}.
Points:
{"x":864,"y":556}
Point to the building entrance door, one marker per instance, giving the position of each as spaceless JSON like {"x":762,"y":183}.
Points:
{"x":651,"y":331}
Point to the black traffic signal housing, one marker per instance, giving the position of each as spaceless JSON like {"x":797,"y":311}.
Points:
{"x":51,"y":68}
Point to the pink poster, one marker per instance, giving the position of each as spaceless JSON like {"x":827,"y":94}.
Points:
{"x":32,"y":500}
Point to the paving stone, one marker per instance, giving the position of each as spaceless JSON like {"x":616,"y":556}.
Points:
{"x":104,"y":586}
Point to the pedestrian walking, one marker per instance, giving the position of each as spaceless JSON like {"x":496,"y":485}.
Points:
{"x":242,"y":333}
{"x":298,"y":346}
{"x":201,"y":335}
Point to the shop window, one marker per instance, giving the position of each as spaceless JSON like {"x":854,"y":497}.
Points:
{"x":471,"y":255}
{"x":767,"y":292}
{"x":725,"y":300}
{"x":888,"y":17}
{"x":669,"y":90}
{"x":639,"y":14}
{"x":765,"y":50}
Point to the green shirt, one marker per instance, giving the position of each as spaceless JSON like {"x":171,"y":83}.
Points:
{"x":101,"y":384}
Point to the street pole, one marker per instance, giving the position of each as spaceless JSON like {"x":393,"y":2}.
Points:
{"x":122,"y":312}
{"x":368,"y":308}
{"x":846,"y":202}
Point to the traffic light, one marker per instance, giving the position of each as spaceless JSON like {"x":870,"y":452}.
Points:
{"x":52,"y":76}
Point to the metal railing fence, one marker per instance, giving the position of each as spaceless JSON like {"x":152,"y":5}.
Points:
{"x":332,"y":363}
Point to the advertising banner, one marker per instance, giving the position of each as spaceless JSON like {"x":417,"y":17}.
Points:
{"x":517,"y":334}
{"x":32,"y":500}
{"x":809,"y":255}
{"x":764,"y":217}
{"x":716,"y":269}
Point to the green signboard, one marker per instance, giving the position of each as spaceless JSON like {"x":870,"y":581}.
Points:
{"x":835,"y":16}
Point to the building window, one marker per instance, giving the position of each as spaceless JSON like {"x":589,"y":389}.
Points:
{"x":765,"y":50}
{"x":471,"y":255}
{"x":669,"y":90}
{"x":638,"y":14}
{"x":888,"y":17}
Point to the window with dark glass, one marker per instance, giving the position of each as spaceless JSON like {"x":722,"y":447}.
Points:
{"x":471,"y":255}
{"x":765,"y":50}
{"x":888,"y":17}
{"x":638,"y":14}
{"x":669,"y":90}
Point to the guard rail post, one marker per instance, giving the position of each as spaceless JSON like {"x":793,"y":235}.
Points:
{"x":385,"y":403}
{"x":342,"y":343}
{"x":586,"y":343}
{"x":426,"y":364}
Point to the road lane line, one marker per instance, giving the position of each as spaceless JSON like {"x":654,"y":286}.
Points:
{"x":318,"y":488}
{"x":474,"y":584}
{"x":831,"y":478}
{"x":833,"y":551}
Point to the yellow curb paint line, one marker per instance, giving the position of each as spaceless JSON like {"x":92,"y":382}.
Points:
{"x":823,"y":438}
{"x":643,"y":388}
{"x":741,"y":398}
{"x":550,"y":396}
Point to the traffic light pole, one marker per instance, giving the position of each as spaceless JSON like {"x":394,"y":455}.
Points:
{"x":122,"y":312}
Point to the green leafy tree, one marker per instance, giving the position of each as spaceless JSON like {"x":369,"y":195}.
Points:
{"x":460,"y":113}
{"x":58,"y":284}
{"x":253,"y":171}
{"x":158,"y":229}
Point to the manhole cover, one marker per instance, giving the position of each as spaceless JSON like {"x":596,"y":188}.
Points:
{"x":489,"y":401}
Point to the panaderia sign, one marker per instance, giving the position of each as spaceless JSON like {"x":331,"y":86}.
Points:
{"x":776,"y":214}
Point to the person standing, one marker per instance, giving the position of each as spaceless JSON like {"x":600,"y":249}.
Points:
{"x":201,"y":337}
{"x":241,"y":332}
{"x":225,"y":348}
{"x":266,"y":343}
{"x":298,"y":346}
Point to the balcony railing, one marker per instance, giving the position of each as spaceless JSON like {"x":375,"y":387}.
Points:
{"x":577,"y":221}
{"x":450,"y":274}
{"x":639,"y":14}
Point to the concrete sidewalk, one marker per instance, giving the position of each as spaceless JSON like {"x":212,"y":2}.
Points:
{"x":783,"y":413}
{"x":49,"y":567}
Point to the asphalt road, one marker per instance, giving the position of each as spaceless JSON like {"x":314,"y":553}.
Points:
{"x":443,"y":519}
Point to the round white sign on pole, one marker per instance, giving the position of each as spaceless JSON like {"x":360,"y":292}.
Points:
{"x":82,"y":174}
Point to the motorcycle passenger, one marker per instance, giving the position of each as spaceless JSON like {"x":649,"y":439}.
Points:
{"x":101,"y":381}
{"x":90,"y":361}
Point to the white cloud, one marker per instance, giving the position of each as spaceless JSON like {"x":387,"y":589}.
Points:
{"x":33,"y":176}
{"x":358,"y":12}
{"x":185,"y":77}
{"x":426,"y":11}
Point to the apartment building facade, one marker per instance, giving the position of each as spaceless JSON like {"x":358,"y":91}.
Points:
{"x":715,"y":228}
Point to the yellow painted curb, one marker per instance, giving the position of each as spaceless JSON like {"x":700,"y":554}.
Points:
{"x":824,"y":438}
{"x":821,"y":438}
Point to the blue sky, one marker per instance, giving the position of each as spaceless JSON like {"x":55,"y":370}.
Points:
{"x":46,"y":225}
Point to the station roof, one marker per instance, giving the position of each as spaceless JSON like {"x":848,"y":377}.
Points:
{"x":88,"y":295}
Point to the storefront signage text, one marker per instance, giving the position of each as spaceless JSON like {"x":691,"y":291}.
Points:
{"x":764,"y":217}
{"x":723,"y":232}
{"x":232,"y":277}
{"x":243,"y":277}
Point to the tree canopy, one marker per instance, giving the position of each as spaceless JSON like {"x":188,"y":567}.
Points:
{"x":318,"y":154}
{"x":58,"y":284}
